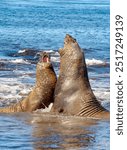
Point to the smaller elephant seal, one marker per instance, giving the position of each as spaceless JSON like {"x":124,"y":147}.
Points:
{"x":73,"y":93}
{"x":42,"y":94}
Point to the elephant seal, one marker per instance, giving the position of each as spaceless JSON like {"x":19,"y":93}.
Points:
{"x":73,"y":94}
{"x":42,"y":94}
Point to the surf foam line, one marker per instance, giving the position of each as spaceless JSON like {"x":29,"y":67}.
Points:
{"x":56,"y":58}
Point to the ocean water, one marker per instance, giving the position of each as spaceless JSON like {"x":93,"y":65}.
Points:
{"x":28,"y":27}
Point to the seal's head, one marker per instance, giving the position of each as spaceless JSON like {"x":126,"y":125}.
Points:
{"x":44,"y":71}
{"x":71,"y":58}
{"x":44,"y":61}
{"x":43,"y":66}
{"x":71,"y":48}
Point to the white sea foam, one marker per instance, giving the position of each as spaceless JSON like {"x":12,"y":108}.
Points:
{"x":12,"y":90}
{"x":102,"y":95}
{"x":89,"y":62}
{"x":22,"y":51}
{"x":56,"y":53}
{"x":47,"y":109}
{"x":49,"y":51}
{"x":55,"y":59}
{"x":93,"y":61}
{"x":19,"y":61}
{"x":101,"y":88}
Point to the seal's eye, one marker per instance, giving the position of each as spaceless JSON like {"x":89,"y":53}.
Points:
{"x":74,"y":40}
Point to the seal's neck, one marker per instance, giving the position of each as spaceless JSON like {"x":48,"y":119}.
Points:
{"x":74,"y":67}
{"x":42,"y":72}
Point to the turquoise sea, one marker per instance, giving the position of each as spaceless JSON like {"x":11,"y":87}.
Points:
{"x":28,"y":27}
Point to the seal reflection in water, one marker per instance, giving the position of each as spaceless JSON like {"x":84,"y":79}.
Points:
{"x":42,"y":94}
{"x":73,"y":93}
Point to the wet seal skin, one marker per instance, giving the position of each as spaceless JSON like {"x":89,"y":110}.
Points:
{"x":73,"y":94}
{"x":42,"y":94}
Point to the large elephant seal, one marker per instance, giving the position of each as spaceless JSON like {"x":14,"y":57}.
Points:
{"x":73,"y":94}
{"x":42,"y":94}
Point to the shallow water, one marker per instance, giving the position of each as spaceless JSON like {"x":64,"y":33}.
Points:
{"x":28,"y":27}
{"x":39,"y":131}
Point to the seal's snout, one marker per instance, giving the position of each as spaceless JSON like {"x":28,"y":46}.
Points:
{"x":45,"y":58}
{"x":44,"y":61}
{"x":69,"y":39}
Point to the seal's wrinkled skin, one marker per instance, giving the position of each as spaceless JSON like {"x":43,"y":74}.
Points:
{"x":73,"y":93}
{"x":42,"y":94}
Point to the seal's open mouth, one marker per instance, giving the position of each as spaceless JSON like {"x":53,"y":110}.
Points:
{"x":45,"y":57}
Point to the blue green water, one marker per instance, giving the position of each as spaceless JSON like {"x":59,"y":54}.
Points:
{"x":43,"y":24}
{"x":32,"y":26}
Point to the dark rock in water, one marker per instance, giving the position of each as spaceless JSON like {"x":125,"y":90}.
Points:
{"x":23,"y":53}
{"x":31,"y":52}
{"x":2,"y":64}
{"x":27,"y":52}
{"x":3,"y":67}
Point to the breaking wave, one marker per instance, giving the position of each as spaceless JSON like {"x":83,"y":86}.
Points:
{"x":25,"y":55}
{"x":93,"y":61}
{"x":19,"y":61}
